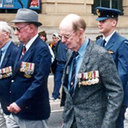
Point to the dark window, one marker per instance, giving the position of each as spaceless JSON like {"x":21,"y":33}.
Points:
{"x":117,"y":4}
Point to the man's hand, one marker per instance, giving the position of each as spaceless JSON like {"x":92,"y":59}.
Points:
{"x":14,"y":108}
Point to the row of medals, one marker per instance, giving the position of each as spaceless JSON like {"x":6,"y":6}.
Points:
{"x":5,"y":72}
{"x":88,"y":78}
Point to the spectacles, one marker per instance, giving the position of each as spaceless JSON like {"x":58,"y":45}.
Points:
{"x":67,"y":37}
{"x":19,"y":29}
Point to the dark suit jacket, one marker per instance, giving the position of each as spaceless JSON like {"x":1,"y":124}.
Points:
{"x":30,"y":92}
{"x":96,"y":105}
{"x":118,"y":48}
{"x":9,"y":60}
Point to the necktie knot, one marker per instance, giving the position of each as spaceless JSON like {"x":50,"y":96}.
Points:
{"x":24,"y":50}
{"x":75,"y":54}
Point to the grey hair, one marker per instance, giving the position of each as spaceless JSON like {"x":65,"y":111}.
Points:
{"x":5,"y":28}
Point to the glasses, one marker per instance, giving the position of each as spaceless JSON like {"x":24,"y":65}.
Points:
{"x":67,"y":37}
{"x":19,"y":29}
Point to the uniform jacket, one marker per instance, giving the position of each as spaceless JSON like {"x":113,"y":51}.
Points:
{"x":8,"y":60}
{"x":30,"y":91}
{"x":118,"y":48}
{"x":96,"y":105}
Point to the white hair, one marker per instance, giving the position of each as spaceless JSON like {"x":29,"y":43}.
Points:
{"x":5,"y":27}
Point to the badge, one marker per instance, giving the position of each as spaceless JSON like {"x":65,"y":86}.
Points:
{"x":5,"y":72}
{"x":111,"y":52}
{"x":27,"y":68}
{"x":88,"y":78}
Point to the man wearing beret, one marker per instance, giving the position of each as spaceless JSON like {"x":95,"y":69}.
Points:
{"x":117,"y":46}
{"x":29,"y":106}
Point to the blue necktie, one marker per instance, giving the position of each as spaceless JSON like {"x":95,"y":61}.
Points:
{"x":0,"y":54}
{"x":103,"y":43}
{"x":75,"y":54}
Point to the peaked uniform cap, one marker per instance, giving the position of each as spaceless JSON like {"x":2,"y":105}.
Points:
{"x":25,"y":15}
{"x":104,"y":13}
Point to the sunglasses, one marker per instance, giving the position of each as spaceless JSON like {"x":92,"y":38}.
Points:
{"x":19,"y":29}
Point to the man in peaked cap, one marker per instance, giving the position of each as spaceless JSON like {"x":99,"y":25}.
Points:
{"x":117,"y":46}
{"x":29,"y":105}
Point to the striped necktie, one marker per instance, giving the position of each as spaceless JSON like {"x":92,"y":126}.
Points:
{"x":23,"y":52}
{"x":75,"y":54}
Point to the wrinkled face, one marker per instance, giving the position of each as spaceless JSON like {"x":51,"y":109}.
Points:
{"x":106,"y":26}
{"x":70,"y":38}
{"x":22,"y":31}
{"x":2,"y":36}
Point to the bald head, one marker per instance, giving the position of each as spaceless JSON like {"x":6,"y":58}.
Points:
{"x":73,"y":22}
{"x":72,"y":29}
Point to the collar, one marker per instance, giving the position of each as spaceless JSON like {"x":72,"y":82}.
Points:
{"x":4,"y":48}
{"x":82,"y":50}
{"x":28,"y":45}
{"x":108,"y":37}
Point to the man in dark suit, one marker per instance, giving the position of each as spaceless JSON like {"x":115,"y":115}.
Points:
{"x":8,"y":51}
{"x":117,"y":46}
{"x":30,"y":106}
{"x":93,"y":90}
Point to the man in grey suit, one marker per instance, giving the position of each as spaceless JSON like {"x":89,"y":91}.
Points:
{"x":93,"y":92}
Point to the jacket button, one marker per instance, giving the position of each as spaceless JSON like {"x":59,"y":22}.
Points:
{"x":12,"y":81}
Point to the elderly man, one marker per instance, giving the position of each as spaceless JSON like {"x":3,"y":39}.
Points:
{"x":8,"y":51}
{"x":117,"y":46}
{"x":93,"y":90}
{"x":30,"y":106}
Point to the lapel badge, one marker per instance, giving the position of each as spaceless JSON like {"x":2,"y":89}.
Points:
{"x":111,"y":52}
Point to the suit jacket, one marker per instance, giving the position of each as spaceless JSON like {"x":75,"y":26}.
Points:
{"x":29,"y":90}
{"x":96,"y":105}
{"x":118,"y":48}
{"x":9,"y":60}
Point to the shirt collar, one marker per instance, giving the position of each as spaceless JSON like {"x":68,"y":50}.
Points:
{"x":4,"y":48}
{"x":81,"y":51}
{"x":108,"y":37}
{"x":28,"y":45}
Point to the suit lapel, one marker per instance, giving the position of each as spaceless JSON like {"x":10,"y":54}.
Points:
{"x":111,"y":41}
{"x":26,"y":57}
{"x":86,"y":57}
{"x":7,"y":55}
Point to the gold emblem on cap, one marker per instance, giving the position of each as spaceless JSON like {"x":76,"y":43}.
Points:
{"x":97,"y":12}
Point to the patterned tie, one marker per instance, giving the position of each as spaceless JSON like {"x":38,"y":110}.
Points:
{"x":0,"y":54}
{"x":23,"y":52}
{"x":103,"y":43}
{"x":75,"y":54}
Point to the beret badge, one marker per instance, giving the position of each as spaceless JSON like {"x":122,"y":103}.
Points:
{"x":97,"y":12}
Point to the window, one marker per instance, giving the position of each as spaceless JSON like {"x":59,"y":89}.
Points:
{"x":11,"y":6}
{"x":108,"y":3}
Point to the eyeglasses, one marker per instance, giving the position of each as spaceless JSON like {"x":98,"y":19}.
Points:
{"x":67,"y":37}
{"x":19,"y":29}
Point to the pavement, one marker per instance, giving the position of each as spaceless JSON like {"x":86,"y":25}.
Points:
{"x":55,"y":120}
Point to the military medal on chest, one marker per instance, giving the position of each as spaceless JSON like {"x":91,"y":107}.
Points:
{"x":27,"y":68}
{"x":5,"y":72}
{"x":88,"y":78}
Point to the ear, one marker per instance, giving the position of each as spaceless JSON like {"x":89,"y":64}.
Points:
{"x":114,"y":22}
{"x":81,"y":32}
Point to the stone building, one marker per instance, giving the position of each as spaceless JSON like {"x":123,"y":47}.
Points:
{"x":53,"y":11}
